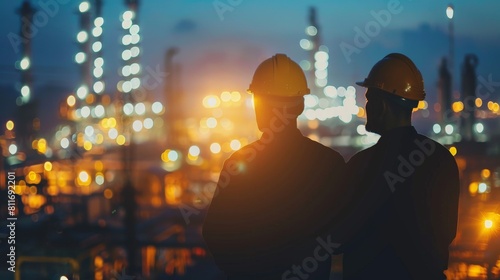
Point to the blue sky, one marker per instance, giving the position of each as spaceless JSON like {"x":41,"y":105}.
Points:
{"x":219,"y":51}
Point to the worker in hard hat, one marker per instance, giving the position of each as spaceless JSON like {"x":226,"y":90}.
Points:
{"x":276,"y":195}
{"x":402,"y":212}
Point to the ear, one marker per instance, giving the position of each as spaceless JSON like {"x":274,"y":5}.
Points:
{"x":385,"y":109}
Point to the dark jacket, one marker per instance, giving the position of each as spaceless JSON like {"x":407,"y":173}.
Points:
{"x":403,"y":208}
{"x":273,"y":198}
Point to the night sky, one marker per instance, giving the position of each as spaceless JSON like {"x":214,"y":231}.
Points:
{"x":220,"y":50}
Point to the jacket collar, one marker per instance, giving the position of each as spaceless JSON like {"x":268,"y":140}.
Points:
{"x":397,"y":133}
{"x":287,"y":132}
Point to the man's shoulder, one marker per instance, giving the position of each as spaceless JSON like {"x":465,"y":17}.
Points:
{"x":250,"y":151}
{"x":431,"y":146}
{"x":434,"y":149}
{"x":362,"y":155}
{"x":320,"y":148}
{"x":246,"y":152}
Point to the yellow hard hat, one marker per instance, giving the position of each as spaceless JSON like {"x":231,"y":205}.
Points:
{"x":398,"y":75}
{"x":279,"y":76}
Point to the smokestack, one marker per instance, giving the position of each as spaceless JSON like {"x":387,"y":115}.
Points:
{"x":28,"y":122}
{"x":26,"y":12}
{"x":444,"y":91}
{"x":169,"y":95}
{"x":469,"y":83}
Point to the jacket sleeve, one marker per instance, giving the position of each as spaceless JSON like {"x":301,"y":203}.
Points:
{"x":223,"y":227}
{"x":333,"y":191}
{"x":443,"y":200}
{"x":338,"y":188}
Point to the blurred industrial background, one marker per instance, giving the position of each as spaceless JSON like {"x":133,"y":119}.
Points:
{"x":116,"y":120}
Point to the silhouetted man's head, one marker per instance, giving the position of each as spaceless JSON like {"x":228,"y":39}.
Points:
{"x":278,"y":87}
{"x":384,"y":111}
{"x":394,"y":87}
{"x":277,"y":113}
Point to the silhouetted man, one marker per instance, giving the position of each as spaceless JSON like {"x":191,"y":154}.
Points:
{"x":275,"y":195}
{"x":402,"y":214}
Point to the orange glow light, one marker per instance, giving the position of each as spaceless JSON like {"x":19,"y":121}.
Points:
{"x":485,"y":173}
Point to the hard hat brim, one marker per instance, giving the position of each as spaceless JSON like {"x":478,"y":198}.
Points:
{"x":398,"y":75}
{"x":361,"y":83}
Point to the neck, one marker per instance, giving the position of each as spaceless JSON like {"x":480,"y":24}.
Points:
{"x":391,"y":126}
{"x":280,"y":127}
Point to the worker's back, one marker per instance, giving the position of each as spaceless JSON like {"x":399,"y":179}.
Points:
{"x":408,"y":237}
{"x":274,"y":197}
